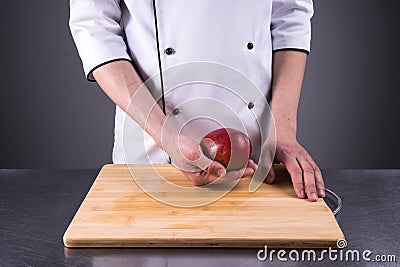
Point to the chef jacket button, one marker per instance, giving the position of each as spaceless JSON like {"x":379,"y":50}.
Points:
{"x":250,"y":45}
{"x":175,"y":111}
{"x":169,"y":51}
{"x":250,"y":105}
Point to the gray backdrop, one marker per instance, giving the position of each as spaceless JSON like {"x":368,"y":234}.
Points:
{"x":51,"y":117}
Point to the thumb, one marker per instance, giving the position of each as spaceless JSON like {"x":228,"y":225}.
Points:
{"x":208,"y":165}
{"x":270,"y":176}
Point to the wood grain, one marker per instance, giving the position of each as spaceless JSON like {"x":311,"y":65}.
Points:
{"x":117,"y":213}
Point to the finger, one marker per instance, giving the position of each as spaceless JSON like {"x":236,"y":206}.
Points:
{"x":252,"y":164}
{"x":195,"y":178}
{"x":319,"y":180}
{"x":309,"y":180}
{"x":270,"y":176}
{"x":207,"y":176}
{"x":211,"y":167}
{"x":235,"y":175}
{"x":248,"y":171}
{"x":296,"y":174}
{"x":215,"y":169}
{"x":200,"y":178}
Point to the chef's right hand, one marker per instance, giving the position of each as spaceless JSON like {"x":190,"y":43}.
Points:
{"x":198,"y":168}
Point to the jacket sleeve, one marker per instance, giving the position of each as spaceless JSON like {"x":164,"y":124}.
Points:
{"x":291,"y":24}
{"x":98,"y":35}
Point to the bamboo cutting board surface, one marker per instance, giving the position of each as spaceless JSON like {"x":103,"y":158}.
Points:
{"x":117,"y":213}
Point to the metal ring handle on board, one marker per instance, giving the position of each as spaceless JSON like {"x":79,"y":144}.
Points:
{"x":338,"y":200}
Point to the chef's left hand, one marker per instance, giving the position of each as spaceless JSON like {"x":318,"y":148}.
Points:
{"x":305,"y":174}
{"x":288,"y":74}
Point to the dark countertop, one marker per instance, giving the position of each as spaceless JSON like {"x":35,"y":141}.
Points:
{"x":36,"y":206}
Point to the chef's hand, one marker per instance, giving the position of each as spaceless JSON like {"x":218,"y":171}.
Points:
{"x":288,"y":74}
{"x":203,"y":177}
{"x":198,"y":168}
{"x":305,"y":174}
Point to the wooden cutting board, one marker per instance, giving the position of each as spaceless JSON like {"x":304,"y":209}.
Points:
{"x":117,"y":213}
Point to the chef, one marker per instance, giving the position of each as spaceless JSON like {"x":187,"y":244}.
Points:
{"x":124,"y":43}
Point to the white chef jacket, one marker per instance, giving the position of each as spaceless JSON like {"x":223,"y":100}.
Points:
{"x":158,"y":34}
